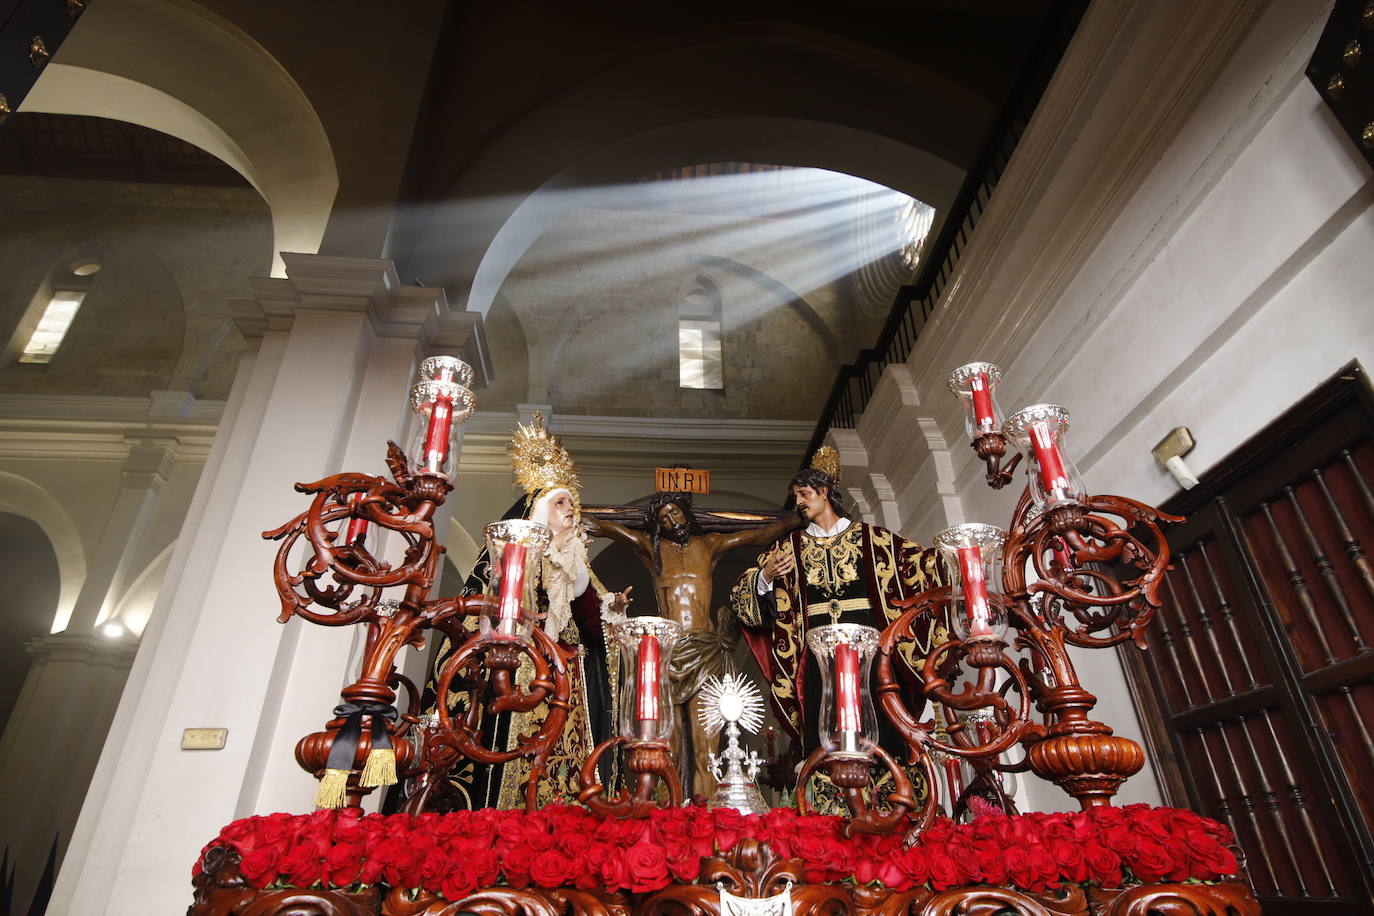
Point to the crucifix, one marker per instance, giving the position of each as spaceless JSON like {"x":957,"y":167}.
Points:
{"x":681,"y":546}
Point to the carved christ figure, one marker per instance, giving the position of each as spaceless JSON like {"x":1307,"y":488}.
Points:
{"x":681,"y":556}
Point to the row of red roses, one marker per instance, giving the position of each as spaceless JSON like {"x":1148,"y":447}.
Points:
{"x":453,"y":854}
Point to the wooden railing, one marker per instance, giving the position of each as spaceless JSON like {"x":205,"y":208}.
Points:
{"x":914,"y":303}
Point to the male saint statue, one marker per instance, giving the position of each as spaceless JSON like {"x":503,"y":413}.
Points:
{"x":835,"y":570}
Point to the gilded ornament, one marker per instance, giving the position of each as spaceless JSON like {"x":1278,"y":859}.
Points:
{"x":827,"y":461}
{"x":1367,"y":17}
{"x":540,"y":460}
{"x":76,"y":8}
{"x":38,"y":51}
{"x":5,"y":109}
{"x":1352,"y":54}
{"x":1335,"y":86}
{"x":1367,"y":136}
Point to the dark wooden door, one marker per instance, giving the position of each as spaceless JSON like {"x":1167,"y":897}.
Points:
{"x":1257,"y":691}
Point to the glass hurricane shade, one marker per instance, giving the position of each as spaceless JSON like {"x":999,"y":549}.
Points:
{"x":844,"y":655}
{"x":514,"y":549}
{"x":975,"y":385}
{"x":972,"y":555}
{"x":646,"y":703}
{"x":441,"y":400}
{"x":1038,"y":432}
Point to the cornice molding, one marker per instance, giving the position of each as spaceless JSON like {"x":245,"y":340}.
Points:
{"x":613,"y":444}
{"x":326,"y":284}
{"x":84,"y":428}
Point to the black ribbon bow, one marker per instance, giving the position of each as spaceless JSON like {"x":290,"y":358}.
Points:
{"x":345,"y":746}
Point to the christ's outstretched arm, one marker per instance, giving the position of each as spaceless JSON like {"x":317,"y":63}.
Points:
{"x":757,"y":537}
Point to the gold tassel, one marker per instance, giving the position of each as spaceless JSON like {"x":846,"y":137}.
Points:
{"x":380,"y":769}
{"x":333,"y":789}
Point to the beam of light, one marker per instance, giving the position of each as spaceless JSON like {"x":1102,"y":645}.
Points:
{"x":805,"y":227}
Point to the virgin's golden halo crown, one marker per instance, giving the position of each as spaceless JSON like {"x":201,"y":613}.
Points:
{"x":827,"y":461}
{"x":540,"y":460}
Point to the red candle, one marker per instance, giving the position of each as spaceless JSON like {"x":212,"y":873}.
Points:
{"x":646,"y":679}
{"x":984,"y":419}
{"x":357,"y":527}
{"x":1052,"y":473}
{"x":512,"y":582}
{"x":436,"y":437}
{"x":975,"y":590}
{"x":846,"y":688}
{"x":955,"y":778}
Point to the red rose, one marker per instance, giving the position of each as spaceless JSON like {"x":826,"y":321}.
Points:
{"x":1120,"y":840}
{"x":1020,"y":871}
{"x":647,"y":866}
{"x":730,"y":827}
{"x":400,"y":863}
{"x":348,"y":826}
{"x":1073,"y":864}
{"x":342,"y":863}
{"x":1149,"y":861}
{"x":1104,"y":866}
{"x":550,"y":869}
{"x":274,"y":828}
{"x":967,"y":861}
{"x":259,"y":866}
{"x":915,"y":862}
{"x":434,"y":867}
{"x":459,"y":881}
{"x":891,"y":874}
{"x":1211,"y":863}
{"x":302,"y":866}
{"x":516,"y":865}
{"x":614,"y":872}
{"x":943,"y":872}
{"x":1044,"y":869}
{"x":992,"y":866}
{"x":683,"y":862}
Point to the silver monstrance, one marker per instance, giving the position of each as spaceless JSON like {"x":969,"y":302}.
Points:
{"x":733,"y":701}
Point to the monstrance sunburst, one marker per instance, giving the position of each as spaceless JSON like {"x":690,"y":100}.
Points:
{"x":733,"y":698}
{"x":733,"y":702}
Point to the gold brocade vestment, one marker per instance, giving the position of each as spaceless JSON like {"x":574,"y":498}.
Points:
{"x":854,"y":576}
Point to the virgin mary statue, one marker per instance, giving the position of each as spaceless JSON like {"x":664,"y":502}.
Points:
{"x":571,"y":604}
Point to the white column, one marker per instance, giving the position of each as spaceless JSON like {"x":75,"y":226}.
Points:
{"x":338,"y":339}
{"x":145,"y":471}
{"x":53,"y":738}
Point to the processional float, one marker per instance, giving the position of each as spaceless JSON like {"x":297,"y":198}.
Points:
{"x":1073,"y":570}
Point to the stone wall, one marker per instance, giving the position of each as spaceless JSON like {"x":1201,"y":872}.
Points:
{"x":156,"y":315}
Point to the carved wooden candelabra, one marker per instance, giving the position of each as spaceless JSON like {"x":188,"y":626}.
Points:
{"x":340,"y":582}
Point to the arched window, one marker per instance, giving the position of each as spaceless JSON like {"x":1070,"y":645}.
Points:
{"x":700,"y":357}
{"x":53,"y":309}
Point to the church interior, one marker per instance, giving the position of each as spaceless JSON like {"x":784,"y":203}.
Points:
{"x":717,"y":237}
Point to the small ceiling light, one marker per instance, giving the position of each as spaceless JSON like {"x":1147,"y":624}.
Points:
{"x":112,"y":630}
{"x":86,"y":268}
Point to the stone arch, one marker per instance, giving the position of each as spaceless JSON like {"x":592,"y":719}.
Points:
{"x":23,"y":497}
{"x":164,"y":65}
{"x":758,"y":92}
{"x":777,"y":141}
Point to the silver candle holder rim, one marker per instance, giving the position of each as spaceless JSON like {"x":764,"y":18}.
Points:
{"x":859,"y":635}
{"x":959,"y":379}
{"x":425,"y":393}
{"x":520,"y":531}
{"x":646,"y":625}
{"x":970,"y":534}
{"x":462,"y":372}
{"x":1015,"y":426}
